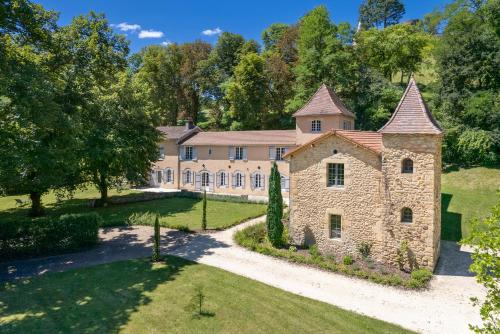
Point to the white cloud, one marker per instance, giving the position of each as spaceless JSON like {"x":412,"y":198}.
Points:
{"x":211,"y":32}
{"x":166,"y":43}
{"x":124,"y":26}
{"x":150,"y":34}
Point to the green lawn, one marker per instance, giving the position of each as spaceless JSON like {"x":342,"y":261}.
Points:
{"x":174,"y":212}
{"x":139,"y":297}
{"x":467,"y":193}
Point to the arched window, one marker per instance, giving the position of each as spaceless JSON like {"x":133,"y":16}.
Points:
{"x":187,"y":176}
{"x":205,"y":179}
{"x":407,"y":166}
{"x":222,"y":178}
{"x":257,"y":180}
{"x":406,"y":215}
{"x":168,"y":175}
{"x":238,"y":180}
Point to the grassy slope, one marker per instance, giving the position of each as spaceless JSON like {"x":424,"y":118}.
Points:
{"x":138,"y":297}
{"x":173,"y":211}
{"x":466,"y":194}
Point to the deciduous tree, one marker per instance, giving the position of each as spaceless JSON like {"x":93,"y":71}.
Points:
{"x":374,"y":13}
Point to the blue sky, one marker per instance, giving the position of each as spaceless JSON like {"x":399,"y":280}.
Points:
{"x":183,"y":21}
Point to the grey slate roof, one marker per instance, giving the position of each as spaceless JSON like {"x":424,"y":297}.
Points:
{"x":411,"y":115}
{"x":324,"y":102}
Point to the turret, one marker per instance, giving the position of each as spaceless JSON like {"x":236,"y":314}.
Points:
{"x":411,"y":169}
{"x":324,"y":111}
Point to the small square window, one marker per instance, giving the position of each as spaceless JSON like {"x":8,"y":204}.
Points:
{"x":335,"y":226}
{"x":407,"y":166}
{"x":280,"y":152}
{"x":316,"y":125}
{"x":239,"y":153}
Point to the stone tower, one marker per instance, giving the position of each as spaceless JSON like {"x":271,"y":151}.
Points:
{"x":411,"y":180}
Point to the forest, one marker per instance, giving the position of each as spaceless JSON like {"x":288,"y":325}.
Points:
{"x":76,"y":107}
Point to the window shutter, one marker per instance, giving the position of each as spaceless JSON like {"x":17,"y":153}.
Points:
{"x":231,"y":153}
{"x":263,"y":180}
{"x":181,"y":153}
{"x":197,"y":181}
{"x":195,"y":154}
{"x":242,"y":180}
{"x":287,"y":183}
{"x":233,"y":177}
{"x":252,"y":181}
{"x":184,"y":177}
{"x":172,"y":176}
{"x":217,"y":179}
{"x":272,"y":153}
{"x":245,"y":154}
{"x":211,"y":182}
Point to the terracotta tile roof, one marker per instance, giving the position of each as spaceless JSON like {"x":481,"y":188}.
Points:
{"x":177,"y":132}
{"x":324,"y":102}
{"x":369,"y":140}
{"x":411,"y":115}
{"x":226,"y":138}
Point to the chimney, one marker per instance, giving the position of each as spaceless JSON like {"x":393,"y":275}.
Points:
{"x":189,"y":123}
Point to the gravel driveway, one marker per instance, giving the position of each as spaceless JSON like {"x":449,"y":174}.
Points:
{"x":444,"y":308}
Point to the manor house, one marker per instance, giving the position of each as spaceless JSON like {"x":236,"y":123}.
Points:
{"x":344,"y":187}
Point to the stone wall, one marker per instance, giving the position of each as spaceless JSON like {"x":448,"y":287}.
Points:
{"x":419,"y":191}
{"x":359,"y":202}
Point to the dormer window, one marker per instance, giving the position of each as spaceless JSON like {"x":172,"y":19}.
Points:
{"x":347,"y":125}
{"x":316,"y":125}
{"x":407,"y":166}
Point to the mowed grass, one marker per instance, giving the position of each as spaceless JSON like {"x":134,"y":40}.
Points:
{"x":140,"y":297}
{"x":467,"y":194}
{"x":174,"y":212}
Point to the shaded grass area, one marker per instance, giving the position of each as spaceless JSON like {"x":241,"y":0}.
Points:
{"x":140,"y":297}
{"x":466,"y":193}
{"x":174,"y":212}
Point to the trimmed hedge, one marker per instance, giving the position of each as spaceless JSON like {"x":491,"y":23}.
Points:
{"x":44,"y":236}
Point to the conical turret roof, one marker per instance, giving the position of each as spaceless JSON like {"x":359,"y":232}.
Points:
{"x":324,"y":102}
{"x":411,"y":115}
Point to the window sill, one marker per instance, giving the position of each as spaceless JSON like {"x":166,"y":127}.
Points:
{"x":336,"y":187}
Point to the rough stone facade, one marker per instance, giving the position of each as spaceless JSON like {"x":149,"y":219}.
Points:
{"x":370,"y":203}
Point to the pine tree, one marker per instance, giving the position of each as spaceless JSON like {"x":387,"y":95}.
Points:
{"x":275,"y":208}
{"x":156,"y":241}
{"x":204,"y":215}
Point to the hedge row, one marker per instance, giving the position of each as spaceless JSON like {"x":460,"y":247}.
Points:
{"x":44,"y":236}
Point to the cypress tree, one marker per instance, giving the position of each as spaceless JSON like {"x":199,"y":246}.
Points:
{"x":156,"y":241}
{"x":275,"y":208}
{"x":204,"y":214}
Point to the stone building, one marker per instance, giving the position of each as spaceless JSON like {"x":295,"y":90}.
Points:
{"x":345,"y":187}
{"x":381,"y":188}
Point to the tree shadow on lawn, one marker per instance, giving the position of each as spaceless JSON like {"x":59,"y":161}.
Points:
{"x":95,"y":300}
{"x":113,"y":215}
{"x":451,"y":222}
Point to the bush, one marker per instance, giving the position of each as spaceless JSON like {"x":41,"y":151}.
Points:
{"x":49,"y":235}
{"x":365,"y":249}
{"x":314,"y":252}
{"x":347,"y":260}
{"x":251,"y":236}
{"x":292,"y":249}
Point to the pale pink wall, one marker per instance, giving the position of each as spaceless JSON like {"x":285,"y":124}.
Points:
{"x":328,"y":122}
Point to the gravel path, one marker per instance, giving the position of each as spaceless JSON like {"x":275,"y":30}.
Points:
{"x":444,"y":308}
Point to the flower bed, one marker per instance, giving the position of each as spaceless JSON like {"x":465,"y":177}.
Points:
{"x":254,"y":238}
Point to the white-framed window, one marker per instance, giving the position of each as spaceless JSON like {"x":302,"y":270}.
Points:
{"x":335,"y":226}
{"x":222,"y":179}
{"x":407,"y":216}
{"x":257,"y":180}
{"x":161,"y":152}
{"x":239,"y":153}
{"x":158,"y":176}
{"x":285,"y":183}
{"x":168,"y":175}
{"x":316,"y":125}
{"x":188,"y":152}
{"x":335,"y":177}
{"x":205,"y":179}
{"x":187,"y":176}
{"x":238,"y":180}
{"x":280,"y":152}
{"x":347,"y":125}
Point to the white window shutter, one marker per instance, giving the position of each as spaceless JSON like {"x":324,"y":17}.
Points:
{"x":263,"y":180}
{"x":184,"y":177}
{"x":242,"y":180}
{"x":245,"y":156}
{"x":195,"y":154}
{"x":272,"y":153}
{"x":211,"y":182}
{"x":181,"y":153}
{"x":217,"y":179}
{"x":287,"y":183}
{"x":252,"y":180}
{"x":172,"y":176}
{"x":234,"y":180}
{"x":231,"y":153}
{"x":197,"y":181}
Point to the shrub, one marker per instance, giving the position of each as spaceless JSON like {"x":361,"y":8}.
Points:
{"x":347,"y":260}
{"x":365,"y":249}
{"x":49,"y":235}
{"x":251,"y":236}
{"x":402,"y":254}
{"x":314,"y":252}
{"x":292,"y":249}
{"x":156,"y":241}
